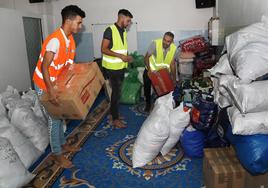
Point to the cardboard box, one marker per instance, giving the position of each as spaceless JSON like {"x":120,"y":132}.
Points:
{"x":77,"y":87}
{"x":221,"y":169}
{"x":259,"y":181}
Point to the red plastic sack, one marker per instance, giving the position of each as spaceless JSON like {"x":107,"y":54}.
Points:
{"x":195,"y":44}
{"x":162,"y":82}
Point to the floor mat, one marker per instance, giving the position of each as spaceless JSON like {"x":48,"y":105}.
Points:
{"x":105,"y":161}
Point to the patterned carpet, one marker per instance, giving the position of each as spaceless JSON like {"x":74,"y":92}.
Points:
{"x":105,"y":159}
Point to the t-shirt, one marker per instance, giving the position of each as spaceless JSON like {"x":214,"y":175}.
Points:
{"x":152,"y":50}
{"x":109,"y":35}
{"x":54,"y":44}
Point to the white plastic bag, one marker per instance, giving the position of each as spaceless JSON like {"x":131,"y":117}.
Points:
{"x":153,"y":133}
{"x":248,"y":124}
{"x":32,"y":127}
{"x":178,"y":120}
{"x":140,"y":75}
{"x":247,"y":97}
{"x":17,"y":103}
{"x":257,"y":32}
{"x":250,"y":62}
{"x":38,"y":109}
{"x":26,"y":151}
{"x":222,"y":67}
{"x":10,"y":94}
{"x":30,"y":95}
{"x":2,"y":109}
{"x":221,"y":96}
{"x":13,"y":173}
{"x":40,"y":112}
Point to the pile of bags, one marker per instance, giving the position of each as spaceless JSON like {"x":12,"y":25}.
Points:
{"x":195,"y":56}
{"x":23,"y":136}
{"x":160,"y":132}
{"x":170,"y":121}
{"x":238,"y":85}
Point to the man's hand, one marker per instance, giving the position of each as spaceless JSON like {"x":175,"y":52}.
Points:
{"x":126,"y":58}
{"x":53,"y":97}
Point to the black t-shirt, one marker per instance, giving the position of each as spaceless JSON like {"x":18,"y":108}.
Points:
{"x":108,"y":35}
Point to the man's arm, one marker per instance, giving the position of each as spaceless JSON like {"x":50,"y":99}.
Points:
{"x":150,"y":51}
{"x":48,"y":58}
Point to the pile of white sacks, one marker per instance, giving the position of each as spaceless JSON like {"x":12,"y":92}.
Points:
{"x":237,"y":79}
{"x":23,"y":136}
{"x":160,"y":132}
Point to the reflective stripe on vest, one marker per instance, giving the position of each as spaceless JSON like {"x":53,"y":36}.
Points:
{"x":158,"y":62}
{"x":65,"y":57}
{"x":115,"y":63}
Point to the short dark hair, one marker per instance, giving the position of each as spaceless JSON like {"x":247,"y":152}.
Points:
{"x":169,"y":34}
{"x":125,"y":12}
{"x":71,"y":11}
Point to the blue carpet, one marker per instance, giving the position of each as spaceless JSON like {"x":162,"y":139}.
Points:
{"x":99,"y":164}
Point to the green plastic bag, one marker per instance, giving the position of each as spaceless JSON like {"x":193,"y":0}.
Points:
{"x":138,"y":60}
{"x":131,"y":88}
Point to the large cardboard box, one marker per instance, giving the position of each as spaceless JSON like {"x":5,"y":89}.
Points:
{"x":221,"y":169}
{"x":77,"y":86}
{"x":259,"y":181}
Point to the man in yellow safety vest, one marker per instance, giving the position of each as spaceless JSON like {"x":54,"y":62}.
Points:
{"x":115,"y":59}
{"x":161,"y":54}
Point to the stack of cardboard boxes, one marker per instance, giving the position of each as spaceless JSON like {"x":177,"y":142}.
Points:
{"x":222,"y":169}
{"x":77,"y":88}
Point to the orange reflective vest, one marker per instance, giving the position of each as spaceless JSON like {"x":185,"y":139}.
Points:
{"x":65,"y":57}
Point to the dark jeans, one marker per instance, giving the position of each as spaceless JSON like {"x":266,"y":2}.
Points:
{"x":116,"y":78}
{"x":147,"y":87}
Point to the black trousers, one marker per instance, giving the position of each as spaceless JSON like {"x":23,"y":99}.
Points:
{"x":147,"y":87}
{"x":116,"y":78}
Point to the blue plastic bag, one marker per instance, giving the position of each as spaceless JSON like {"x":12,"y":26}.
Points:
{"x":252,"y":151}
{"x":192,"y":142}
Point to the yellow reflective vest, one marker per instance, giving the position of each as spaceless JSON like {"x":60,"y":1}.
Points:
{"x":158,"y":62}
{"x":115,"y":63}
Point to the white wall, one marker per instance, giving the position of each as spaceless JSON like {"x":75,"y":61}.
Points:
{"x":238,"y":13}
{"x":13,"y":55}
{"x":151,"y":15}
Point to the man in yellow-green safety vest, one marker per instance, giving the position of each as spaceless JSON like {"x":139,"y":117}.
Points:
{"x":115,"y":60}
{"x":161,"y":55}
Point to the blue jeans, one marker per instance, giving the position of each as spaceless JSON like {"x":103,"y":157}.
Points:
{"x":55,"y":129}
